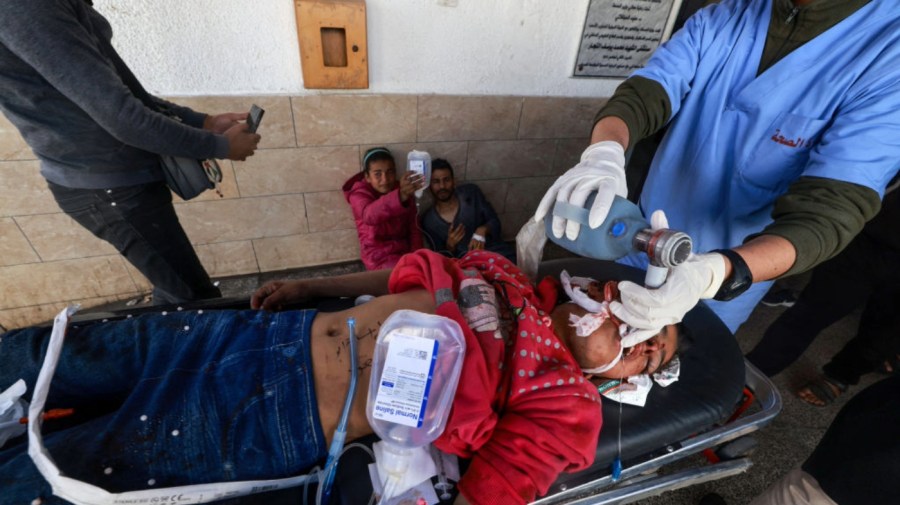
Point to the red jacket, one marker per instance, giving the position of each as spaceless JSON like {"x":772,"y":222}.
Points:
{"x":387,"y":228}
{"x":523,"y":411}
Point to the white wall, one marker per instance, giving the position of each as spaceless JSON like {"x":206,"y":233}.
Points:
{"x":459,"y":47}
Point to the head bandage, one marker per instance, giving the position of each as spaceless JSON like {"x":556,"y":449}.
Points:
{"x":575,"y":287}
{"x":598,"y":313}
{"x":587,"y":324}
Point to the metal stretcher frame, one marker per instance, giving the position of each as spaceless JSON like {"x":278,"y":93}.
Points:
{"x":639,"y":479}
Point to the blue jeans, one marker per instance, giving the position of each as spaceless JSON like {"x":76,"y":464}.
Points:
{"x":168,"y":400}
{"x":140,"y":222}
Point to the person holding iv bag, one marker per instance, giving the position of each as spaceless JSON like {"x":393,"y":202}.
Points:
{"x":384,"y":210}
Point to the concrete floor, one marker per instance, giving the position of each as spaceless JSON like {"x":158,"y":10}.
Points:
{"x":783,"y":444}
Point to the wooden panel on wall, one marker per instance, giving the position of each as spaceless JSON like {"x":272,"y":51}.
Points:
{"x":333,"y":50}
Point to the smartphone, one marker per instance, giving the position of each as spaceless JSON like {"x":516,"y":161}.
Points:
{"x":253,"y":120}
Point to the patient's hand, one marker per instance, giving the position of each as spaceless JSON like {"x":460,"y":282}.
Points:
{"x":274,"y":295}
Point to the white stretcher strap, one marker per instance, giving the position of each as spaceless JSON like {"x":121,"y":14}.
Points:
{"x":82,"y":493}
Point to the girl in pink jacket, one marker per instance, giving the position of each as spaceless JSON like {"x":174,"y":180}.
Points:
{"x":384,"y":210}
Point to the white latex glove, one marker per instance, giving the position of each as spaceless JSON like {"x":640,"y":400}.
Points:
{"x":654,"y":278}
{"x":602,"y":168}
{"x":649,"y":310}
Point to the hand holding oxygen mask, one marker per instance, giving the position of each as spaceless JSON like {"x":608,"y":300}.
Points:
{"x":601,"y":170}
{"x":616,"y":227}
{"x":700,"y":277}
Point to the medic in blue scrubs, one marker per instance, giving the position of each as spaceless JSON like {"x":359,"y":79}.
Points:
{"x":783,"y":131}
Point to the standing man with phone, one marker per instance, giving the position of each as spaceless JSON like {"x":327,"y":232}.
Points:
{"x":62,"y":86}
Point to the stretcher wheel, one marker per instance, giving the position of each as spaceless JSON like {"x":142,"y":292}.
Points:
{"x":737,"y":448}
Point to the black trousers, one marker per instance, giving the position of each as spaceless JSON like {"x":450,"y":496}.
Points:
{"x":866,"y":275}
{"x":858,"y":459}
{"x":140,"y":222}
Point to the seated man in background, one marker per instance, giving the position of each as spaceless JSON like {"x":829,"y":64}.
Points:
{"x":193,"y":397}
{"x":461,"y":219}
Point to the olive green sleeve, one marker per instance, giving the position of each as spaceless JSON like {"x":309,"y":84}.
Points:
{"x":820,"y":217}
{"x":642,"y":104}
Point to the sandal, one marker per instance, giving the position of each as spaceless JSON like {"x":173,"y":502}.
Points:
{"x":822,"y":391}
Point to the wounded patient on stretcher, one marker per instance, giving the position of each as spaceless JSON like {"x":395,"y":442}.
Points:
{"x":191,"y":397}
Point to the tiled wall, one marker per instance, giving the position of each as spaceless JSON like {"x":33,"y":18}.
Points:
{"x":283,"y":208}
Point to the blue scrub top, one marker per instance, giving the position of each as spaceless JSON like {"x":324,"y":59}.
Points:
{"x":830,"y":108}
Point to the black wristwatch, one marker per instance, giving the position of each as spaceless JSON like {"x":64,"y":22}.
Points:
{"x":740,"y":279}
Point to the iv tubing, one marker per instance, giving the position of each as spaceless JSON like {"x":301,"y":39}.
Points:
{"x":340,"y":433}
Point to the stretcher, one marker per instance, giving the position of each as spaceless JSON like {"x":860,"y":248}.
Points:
{"x":714,"y":407}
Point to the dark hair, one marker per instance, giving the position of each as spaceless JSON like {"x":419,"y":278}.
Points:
{"x":376,"y":154}
{"x":441,"y":164}
{"x":684,"y":340}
